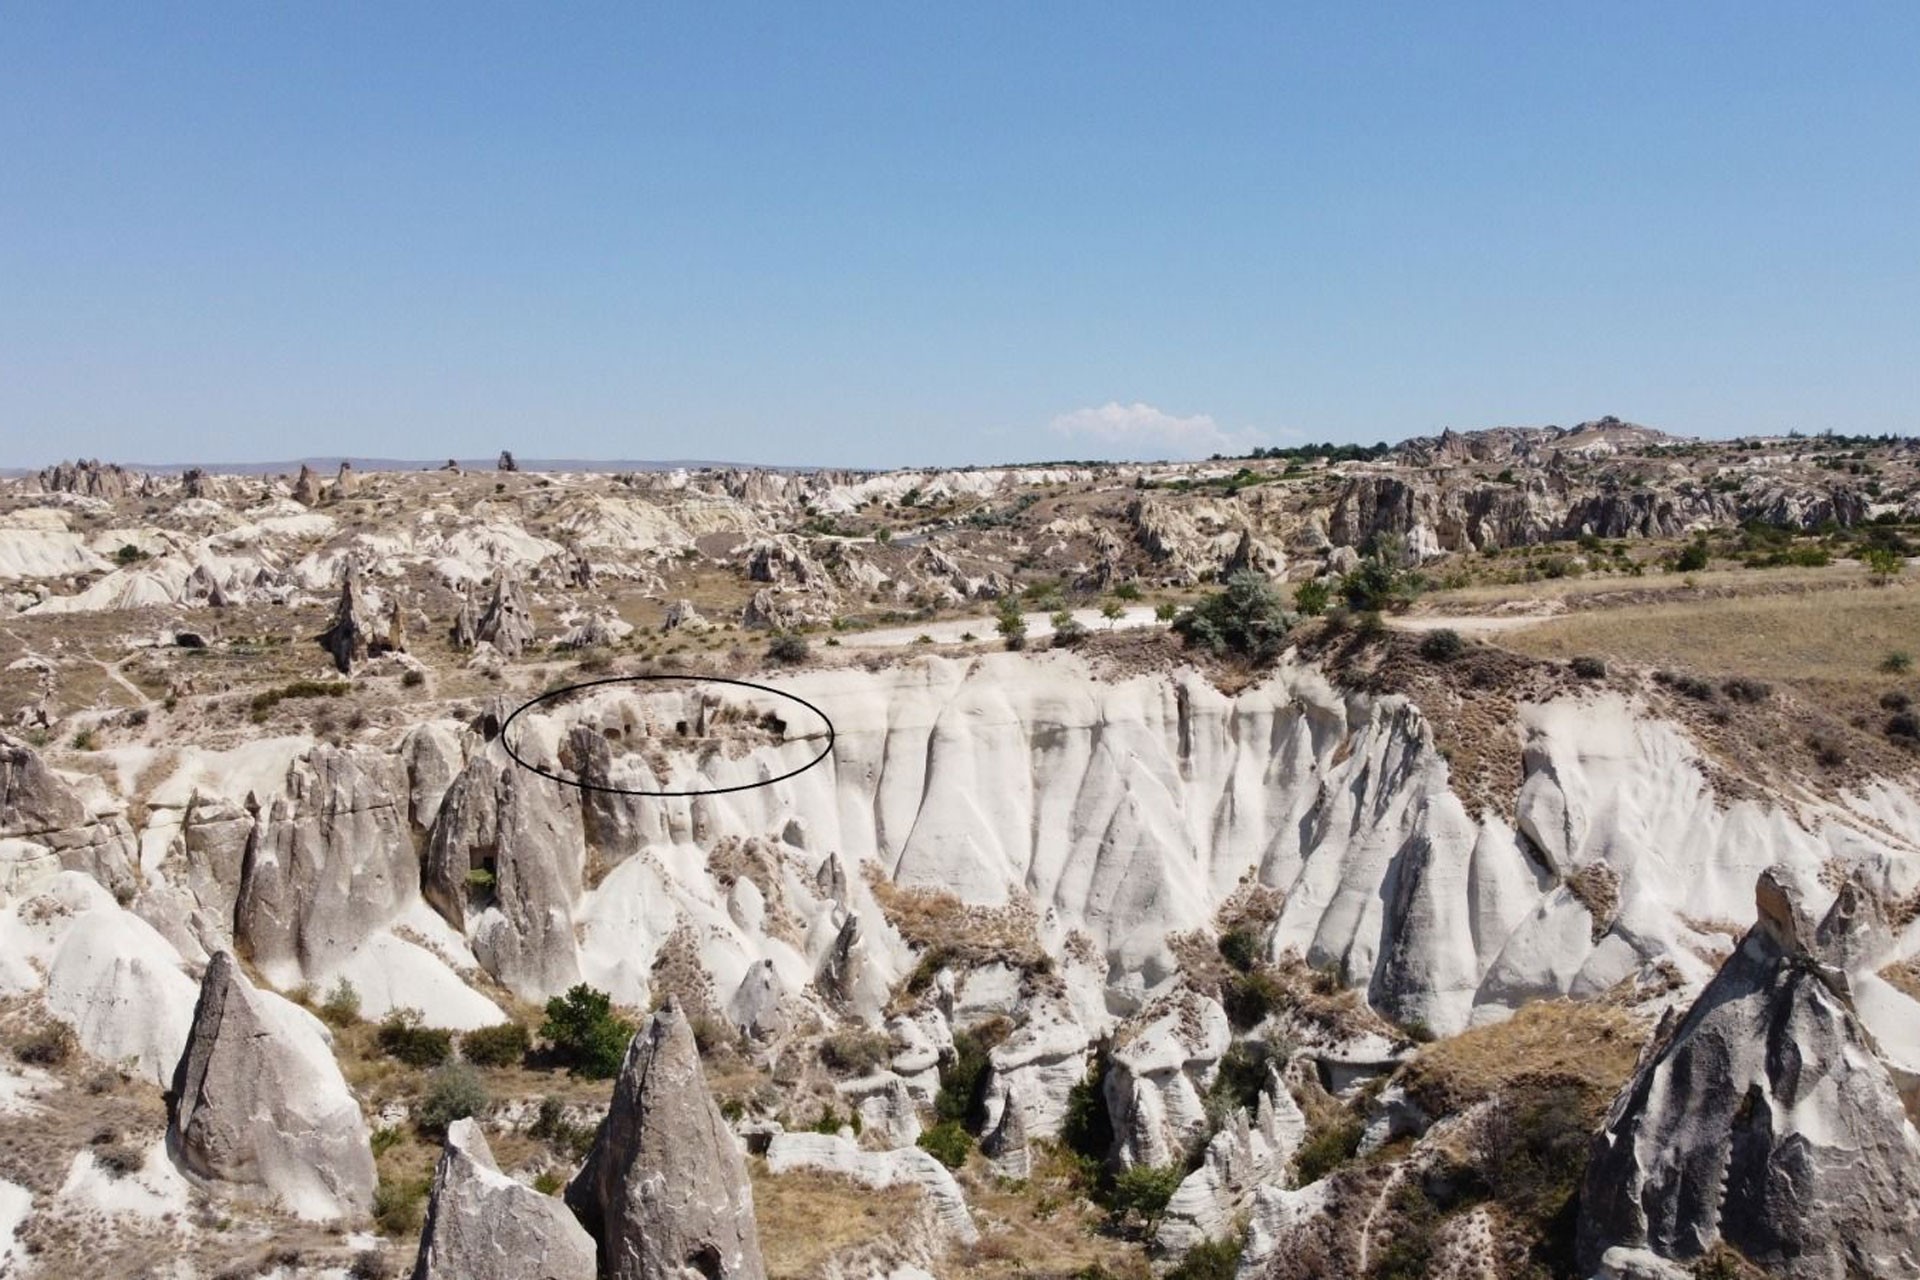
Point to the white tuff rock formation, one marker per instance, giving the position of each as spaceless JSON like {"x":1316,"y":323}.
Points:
{"x":665,"y":1188}
{"x":258,"y":1101}
{"x":1768,"y":1118}
{"x":482,"y":1225}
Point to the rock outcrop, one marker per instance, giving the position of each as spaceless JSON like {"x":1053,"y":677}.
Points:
{"x":1766,"y":1119}
{"x":352,"y":632}
{"x":48,"y":816}
{"x":330,"y":862}
{"x":507,"y":621}
{"x":905,"y":1166}
{"x":665,"y":1188}
{"x":482,"y":1225}
{"x":257,"y":1101}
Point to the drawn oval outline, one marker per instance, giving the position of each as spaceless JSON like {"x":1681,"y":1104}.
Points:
{"x":506,"y":741}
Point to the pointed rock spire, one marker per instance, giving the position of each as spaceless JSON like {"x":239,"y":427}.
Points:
{"x":353,"y":625}
{"x":665,"y":1187}
{"x":482,"y":1225}
{"x":258,"y":1100}
{"x":1768,"y":1118}
{"x":507,"y":623}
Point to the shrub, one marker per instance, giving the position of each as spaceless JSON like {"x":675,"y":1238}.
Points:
{"x":1326,"y":1148}
{"x":586,"y":1034}
{"x":401,"y":1036}
{"x":396,"y":1205}
{"x":1312,"y":598}
{"x":1087,"y":1130}
{"x":963,"y":1077}
{"x":370,"y":1264}
{"x":1246,"y":618}
{"x":1241,"y":1079}
{"x":1827,"y":753}
{"x":1443,"y":645}
{"x":1377,"y":583}
{"x":1240,"y":947}
{"x":1127,"y":591}
{"x":1143,"y":1192}
{"x":498,"y":1046}
{"x":547,"y":1183}
{"x":1904,"y":724}
{"x":1690,"y":686}
{"x":1896,"y":662}
{"x":341,"y":1008}
{"x":1894,"y":700}
{"x":1589,"y":668}
{"x":454,"y":1093}
{"x":856,"y":1053}
{"x":1166,"y":611}
{"x":53,"y":1045}
{"x":947,"y":1142}
{"x":1741,"y":689}
{"x":1067,"y":629}
{"x":1883,"y":564}
{"x":1250,"y":997}
{"x":789,"y":648}
{"x":414,"y":678}
{"x":1210,"y":1260}
{"x":1693,"y":559}
{"x":552,"y":1127}
{"x":1012,"y":624}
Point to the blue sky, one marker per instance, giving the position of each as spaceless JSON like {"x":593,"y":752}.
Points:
{"x":945,"y":234}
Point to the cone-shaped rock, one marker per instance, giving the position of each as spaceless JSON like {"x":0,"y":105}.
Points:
{"x":482,"y":1225}
{"x":665,"y":1187}
{"x":353,"y":624}
{"x":258,"y":1101}
{"x":1767,"y":1119}
{"x":507,"y":623}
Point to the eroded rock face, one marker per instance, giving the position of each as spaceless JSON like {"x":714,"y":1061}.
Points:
{"x":37,"y":806}
{"x":507,"y":622}
{"x":258,"y":1101}
{"x":1767,"y":1118}
{"x":665,"y":1187}
{"x":352,"y":631}
{"x":330,"y":862}
{"x":527,"y":837}
{"x":482,"y":1225}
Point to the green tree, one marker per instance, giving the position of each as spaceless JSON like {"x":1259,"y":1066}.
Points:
{"x":585,"y":1032}
{"x":1248,"y":617}
{"x":1312,"y":597}
{"x":1143,"y":1191}
{"x":1012,"y":624}
{"x":1883,"y":564}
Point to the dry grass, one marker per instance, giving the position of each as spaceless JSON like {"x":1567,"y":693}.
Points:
{"x":809,"y":1221}
{"x":1836,"y":636}
{"x":1041,"y":1226}
{"x":1904,"y":975}
{"x":1550,"y":1042}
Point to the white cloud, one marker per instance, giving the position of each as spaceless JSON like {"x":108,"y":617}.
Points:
{"x":1140,"y":430}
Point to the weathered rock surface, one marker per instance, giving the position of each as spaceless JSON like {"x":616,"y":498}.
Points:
{"x":330,"y":862}
{"x":1767,"y":1118}
{"x":507,"y":621}
{"x":483,"y":1225}
{"x":352,"y":631}
{"x":665,"y":1188}
{"x":828,"y":1153}
{"x":258,"y":1101}
{"x":1248,"y":1152}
